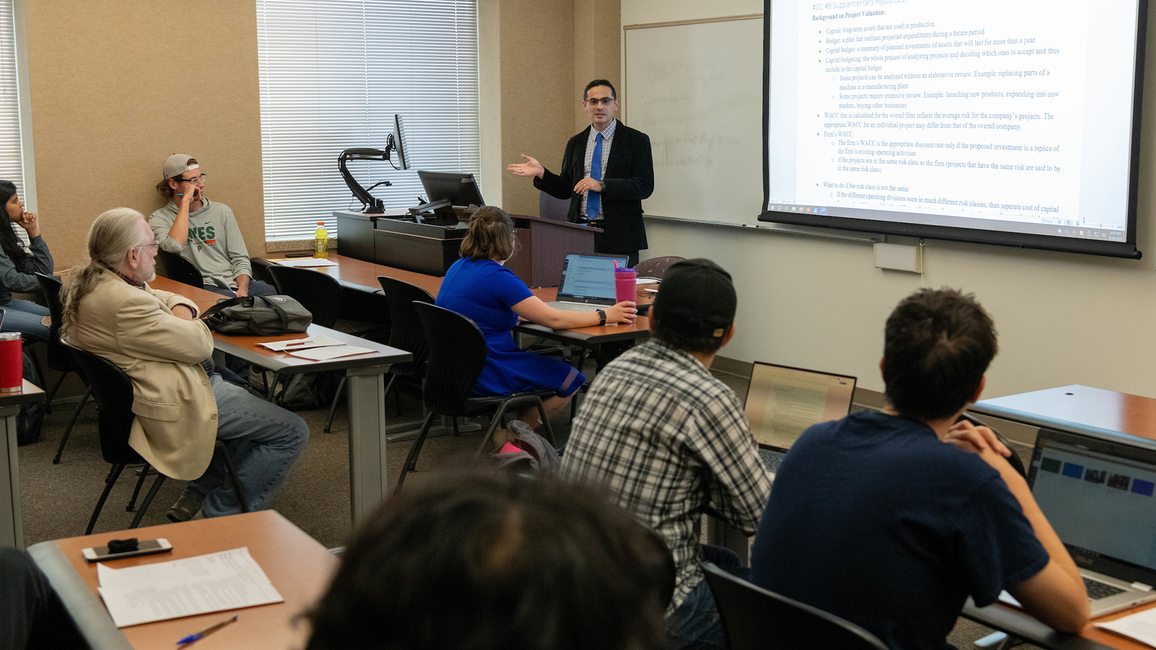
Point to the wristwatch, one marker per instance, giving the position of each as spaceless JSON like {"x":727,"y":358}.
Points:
{"x":601,"y":317}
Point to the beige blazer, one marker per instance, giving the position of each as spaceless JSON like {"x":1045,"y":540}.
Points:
{"x":176,"y":413}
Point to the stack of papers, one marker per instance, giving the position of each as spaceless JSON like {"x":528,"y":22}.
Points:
{"x":306,"y":262}
{"x":195,"y":585}
{"x":293,"y":345}
{"x":333,"y":352}
{"x":1141,"y":626}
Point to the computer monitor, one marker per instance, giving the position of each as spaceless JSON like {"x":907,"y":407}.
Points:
{"x":399,"y":143}
{"x":461,"y":189}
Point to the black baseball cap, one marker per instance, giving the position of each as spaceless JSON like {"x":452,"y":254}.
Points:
{"x":697,"y":297}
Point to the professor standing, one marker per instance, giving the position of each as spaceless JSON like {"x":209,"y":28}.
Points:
{"x":606,"y":172}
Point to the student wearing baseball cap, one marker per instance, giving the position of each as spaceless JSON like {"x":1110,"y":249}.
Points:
{"x":203,"y":231}
{"x":671,"y":441}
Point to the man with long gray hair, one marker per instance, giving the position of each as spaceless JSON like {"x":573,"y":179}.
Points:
{"x":182,"y":406}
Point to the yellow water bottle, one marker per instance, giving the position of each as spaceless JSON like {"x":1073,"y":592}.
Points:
{"x":321,"y":241}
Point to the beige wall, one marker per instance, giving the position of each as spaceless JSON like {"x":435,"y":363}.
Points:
{"x":115,"y":89}
{"x":597,"y":49}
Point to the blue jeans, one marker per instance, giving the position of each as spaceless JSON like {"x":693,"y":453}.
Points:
{"x":695,"y":623}
{"x":25,"y":317}
{"x":264,"y":441}
{"x":256,"y":288}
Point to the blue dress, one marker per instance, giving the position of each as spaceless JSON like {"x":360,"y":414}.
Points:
{"x":485,"y":292}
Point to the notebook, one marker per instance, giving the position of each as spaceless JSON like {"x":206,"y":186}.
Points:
{"x":1099,"y":497}
{"x":587,"y":282}
{"x":783,"y":401}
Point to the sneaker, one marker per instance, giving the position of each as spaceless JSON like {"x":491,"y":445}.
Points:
{"x":185,"y":508}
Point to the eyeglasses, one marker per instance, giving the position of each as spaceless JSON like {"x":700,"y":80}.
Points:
{"x":152,"y":245}
{"x":194,"y":179}
{"x":605,"y":101}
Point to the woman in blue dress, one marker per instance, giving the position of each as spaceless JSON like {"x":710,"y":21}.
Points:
{"x":17,"y":267}
{"x":481,"y":288}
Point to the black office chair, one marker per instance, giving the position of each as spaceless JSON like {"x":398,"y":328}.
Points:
{"x":552,"y":208}
{"x":60,"y":357}
{"x":114,"y":399}
{"x":754,"y":618}
{"x":175,"y":267}
{"x":405,"y":333}
{"x":455,"y":356}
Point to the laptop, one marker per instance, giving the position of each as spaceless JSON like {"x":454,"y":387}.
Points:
{"x":587,"y":282}
{"x":783,"y":401}
{"x":1100,"y":497}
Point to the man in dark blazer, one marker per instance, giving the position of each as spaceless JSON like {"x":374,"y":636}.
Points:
{"x":608,"y":190}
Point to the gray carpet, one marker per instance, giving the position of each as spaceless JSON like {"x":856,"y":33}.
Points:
{"x":58,"y":499}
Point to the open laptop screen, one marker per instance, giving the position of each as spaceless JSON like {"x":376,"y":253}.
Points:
{"x":1099,"y":497}
{"x":782,"y":402}
{"x":587,"y":277}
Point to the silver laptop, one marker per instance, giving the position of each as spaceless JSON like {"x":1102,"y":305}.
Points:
{"x":587,"y":282}
{"x":1100,"y":497}
{"x":783,"y":401}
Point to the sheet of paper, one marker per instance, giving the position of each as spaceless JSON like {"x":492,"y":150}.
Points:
{"x":334,"y":352}
{"x":318,"y":341}
{"x":195,"y":585}
{"x":1140,"y":626}
{"x":306,"y":262}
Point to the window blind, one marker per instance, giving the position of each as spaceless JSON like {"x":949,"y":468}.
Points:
{"x":11,"y":150}
{"x":332,"y":75}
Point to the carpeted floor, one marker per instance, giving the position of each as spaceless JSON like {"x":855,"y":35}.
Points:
{"x":57,"y":500}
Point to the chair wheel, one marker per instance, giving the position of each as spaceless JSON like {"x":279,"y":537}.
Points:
{"x":56,"y":461}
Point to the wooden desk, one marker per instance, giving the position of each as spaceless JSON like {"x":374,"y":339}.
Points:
{"x":1089,"y":412}
{"x":365,"y":392}
{"x":298,"y":567}
{"x":11,"y":520}
{"x":1079,"y":409}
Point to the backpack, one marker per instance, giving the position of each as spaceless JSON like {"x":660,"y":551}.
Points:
{"x":258,"y":316}
{"x":31,"y":416}
{"x":529,"y":451}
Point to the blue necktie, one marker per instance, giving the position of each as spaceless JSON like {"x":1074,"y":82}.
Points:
{"x":594,"y":199}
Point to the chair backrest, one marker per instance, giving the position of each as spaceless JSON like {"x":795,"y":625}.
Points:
{"x":753,"y":617}
{"x":177,"y":268}
{"x":656,"y":267}
{"x":552,"y":208}
{"x":114,"y":398}
{"x":317,"y":292}
{"x":455,"y":356}
{"x":59,"y":358}
{"x":405,"y":330}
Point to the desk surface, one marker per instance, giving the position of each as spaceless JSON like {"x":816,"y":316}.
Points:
{"x":359,"y":274}
{"x":1013,"y":621}
{"x":1079,"y":409}
{"x":249,"y":347}
{"x":297,"y":566}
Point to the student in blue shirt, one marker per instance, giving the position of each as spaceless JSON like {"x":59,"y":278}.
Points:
{"x":481,"y":288}
{"x":17,"y":267}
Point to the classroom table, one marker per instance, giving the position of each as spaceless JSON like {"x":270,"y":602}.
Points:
{"x":298,"y":567}
{"x":360,"y":275}
{"x":1085,"y":411}
{"x":365,"y":392}
{"x":11,"y":522}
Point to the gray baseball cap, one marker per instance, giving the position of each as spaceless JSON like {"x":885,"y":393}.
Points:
{"x":177,"y":164}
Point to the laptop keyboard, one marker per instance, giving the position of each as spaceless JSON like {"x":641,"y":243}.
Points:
{"x":575,"y":306}
{"x":771,"y":461}
{"x":1098,"y":590}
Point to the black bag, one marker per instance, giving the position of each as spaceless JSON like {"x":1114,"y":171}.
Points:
{"x":258,"y":316}
{"x":31,"y":416}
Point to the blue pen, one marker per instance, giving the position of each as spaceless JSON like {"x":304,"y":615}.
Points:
{"x":206,"y":632}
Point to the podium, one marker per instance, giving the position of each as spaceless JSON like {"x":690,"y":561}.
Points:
{"x":431,"y":248}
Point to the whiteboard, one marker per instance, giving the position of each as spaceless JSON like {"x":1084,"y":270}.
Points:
{"x":697,"y":90}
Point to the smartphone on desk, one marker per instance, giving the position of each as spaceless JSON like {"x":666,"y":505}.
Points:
{"x":145,"y":547}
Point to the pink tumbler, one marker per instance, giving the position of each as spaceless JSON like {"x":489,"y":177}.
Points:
{"x":625,"y":285}
{"x":11,"y":363}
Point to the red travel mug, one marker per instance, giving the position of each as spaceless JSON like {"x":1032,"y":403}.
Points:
{"x":625,"y":285}
{"x":11,"y":363}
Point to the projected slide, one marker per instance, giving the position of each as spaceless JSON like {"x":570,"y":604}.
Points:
{"x":1090,"y":498}
{"x":1008,"y":116}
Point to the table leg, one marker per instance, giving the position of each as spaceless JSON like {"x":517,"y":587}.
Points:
{"x":11,"y":521}
{"x":368,"y":485}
